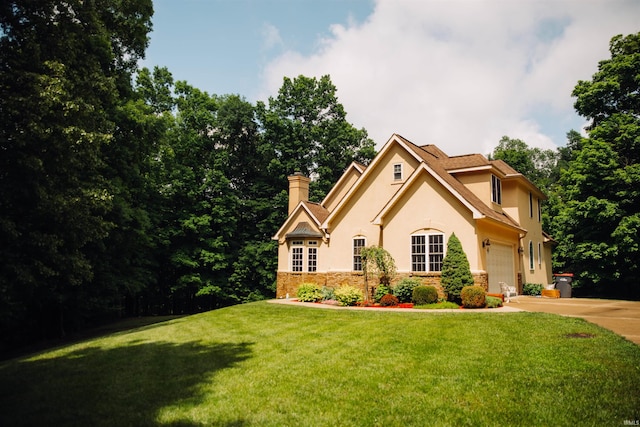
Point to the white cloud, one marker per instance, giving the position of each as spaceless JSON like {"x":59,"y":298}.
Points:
{"x":461,"y":74}
{"x":270,"y":37}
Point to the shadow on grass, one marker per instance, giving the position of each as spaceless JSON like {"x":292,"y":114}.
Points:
{"x":120,"y":386}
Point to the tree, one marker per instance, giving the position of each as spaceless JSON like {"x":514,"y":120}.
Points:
{"x":377,"y":261}
{"x":306,"y":129}
{"x":65,"y":71}
{"x":598,"y":224}
{"x":456,"y":272}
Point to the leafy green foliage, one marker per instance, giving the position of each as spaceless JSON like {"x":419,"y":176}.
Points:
{"x":404,"y":288}
{"x":381,"y":291}
{"x":493,"y":302}
{"x":309,"y":292}
{"x":597,"y":225}
{"x":456,"y":273}
{"x":532,"y":289}
{"x":473,"y":296}
{"x":348,"y":295}
{"x":424,"y":295}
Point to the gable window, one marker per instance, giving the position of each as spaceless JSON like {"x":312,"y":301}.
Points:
{"x":531,"y":255}
{"x":358,"y":244}
{"x":297,"y":255}
{"x":496,"y":190}
{"x":397,"y":172}
{"x":427,"y":252}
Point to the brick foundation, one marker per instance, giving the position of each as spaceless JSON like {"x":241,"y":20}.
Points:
{"x":288,"y":282}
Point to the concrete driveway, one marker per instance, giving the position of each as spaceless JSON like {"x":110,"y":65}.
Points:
{"x":622,"y":317}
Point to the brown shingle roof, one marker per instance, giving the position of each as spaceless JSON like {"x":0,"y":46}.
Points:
{"x":437,"y":164}
{"x":317,"y":210}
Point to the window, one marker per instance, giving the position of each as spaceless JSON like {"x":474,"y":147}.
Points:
{"x":539,"y":255}
{"x":297,"y":254}
{"x":397,"y":172}
{"x":358,"y":244}
{"x":531,"y":255}
{"x":530,"y":205}
{"x":427,"y":252}
{"x":312,"y":256}
{"x":539,"y":210}
{"x":496,"y":190}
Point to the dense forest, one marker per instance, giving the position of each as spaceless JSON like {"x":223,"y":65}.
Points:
{"x":126,"y":193}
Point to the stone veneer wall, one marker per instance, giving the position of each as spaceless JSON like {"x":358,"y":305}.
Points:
{"x":288,"y":282}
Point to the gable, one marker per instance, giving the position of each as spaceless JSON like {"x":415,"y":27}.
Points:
{"x":344,"y":184}
{"x":306,"y":218}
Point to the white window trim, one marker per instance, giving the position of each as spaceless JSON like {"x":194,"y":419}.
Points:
{"x":401,"y":172}
{"x":427,"y":263}
{"x":305,"y":245}
{"x":353,"y":255}
{"x":496,"y":190}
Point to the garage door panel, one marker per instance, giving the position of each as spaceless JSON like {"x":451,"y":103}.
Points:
{"x":499,"y":266}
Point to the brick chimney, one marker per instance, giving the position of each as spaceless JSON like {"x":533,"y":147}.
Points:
{"x":298,"y":190}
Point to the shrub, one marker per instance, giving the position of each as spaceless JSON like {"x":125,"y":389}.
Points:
{"x":327,"y":293}
{"x":423,"y":295}
{"x":309,"y":292}
{"x":404,"y":289}
{"x":493,"y":302}
{"x":347,"y":295}
{"x":532,"y":289}
{"x":473,"y":297}
{"x":456,"y":273}
{"x":388,"y":300}
{"x":381,"y":291}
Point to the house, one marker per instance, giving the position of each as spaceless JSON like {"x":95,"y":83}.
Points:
{"x":409,"y":200}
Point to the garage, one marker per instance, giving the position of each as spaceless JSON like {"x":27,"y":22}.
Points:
{"x":500,"y":266}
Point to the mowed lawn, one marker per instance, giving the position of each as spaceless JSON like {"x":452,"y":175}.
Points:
{"x":273,"y":365}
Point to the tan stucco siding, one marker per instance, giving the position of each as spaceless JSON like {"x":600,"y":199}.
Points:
{"x":346,"y":182}
{"x":355,"y":217}
{"x":427,"y":208}
{"x":479,"y":183}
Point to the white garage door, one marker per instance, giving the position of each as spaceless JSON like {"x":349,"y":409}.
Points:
{"x":500,"y":266}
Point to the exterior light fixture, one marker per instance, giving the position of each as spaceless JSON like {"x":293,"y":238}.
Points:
{"x":486,"y":242}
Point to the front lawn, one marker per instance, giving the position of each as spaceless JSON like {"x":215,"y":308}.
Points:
{"x":274,"y":365}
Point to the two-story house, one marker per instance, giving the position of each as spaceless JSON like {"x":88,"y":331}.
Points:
{"x":409,"y":200}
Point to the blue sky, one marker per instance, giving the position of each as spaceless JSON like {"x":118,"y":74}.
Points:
{"x":459,"y":73}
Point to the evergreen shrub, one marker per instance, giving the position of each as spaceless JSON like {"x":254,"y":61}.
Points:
{"x":424,"y":295}
{"x":327,"y":293}
{"x":388,"y":300}
{"x":404,"y":289}
{"x":309,"y":292}
{"x":456,"y":273}
{"x":348,"y":295}
{"x":473,"y":297}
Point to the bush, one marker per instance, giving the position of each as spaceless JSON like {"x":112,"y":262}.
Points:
{"x":327,"y":293}
{"x":532,"y":289}
{"x":309,"y":292}
{"x":381,"y":291}
{"x":347,"y":295}
{"x":404,"y":289}
{"x":473,"y":297}
{"x":423,"y":295}
{"x":388,"y":300}
{"x":456,"y":273}
{"x":493,"y":302}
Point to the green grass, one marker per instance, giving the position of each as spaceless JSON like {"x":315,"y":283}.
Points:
{"x":272,"y":365}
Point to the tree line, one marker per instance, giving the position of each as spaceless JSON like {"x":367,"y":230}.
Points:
{"x":124,"y":192}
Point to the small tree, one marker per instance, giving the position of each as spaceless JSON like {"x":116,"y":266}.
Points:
{"x":377,"y":261}
{"x":456,"y":273}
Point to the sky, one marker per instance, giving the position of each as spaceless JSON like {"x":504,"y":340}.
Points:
{"x":459,"y":74}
